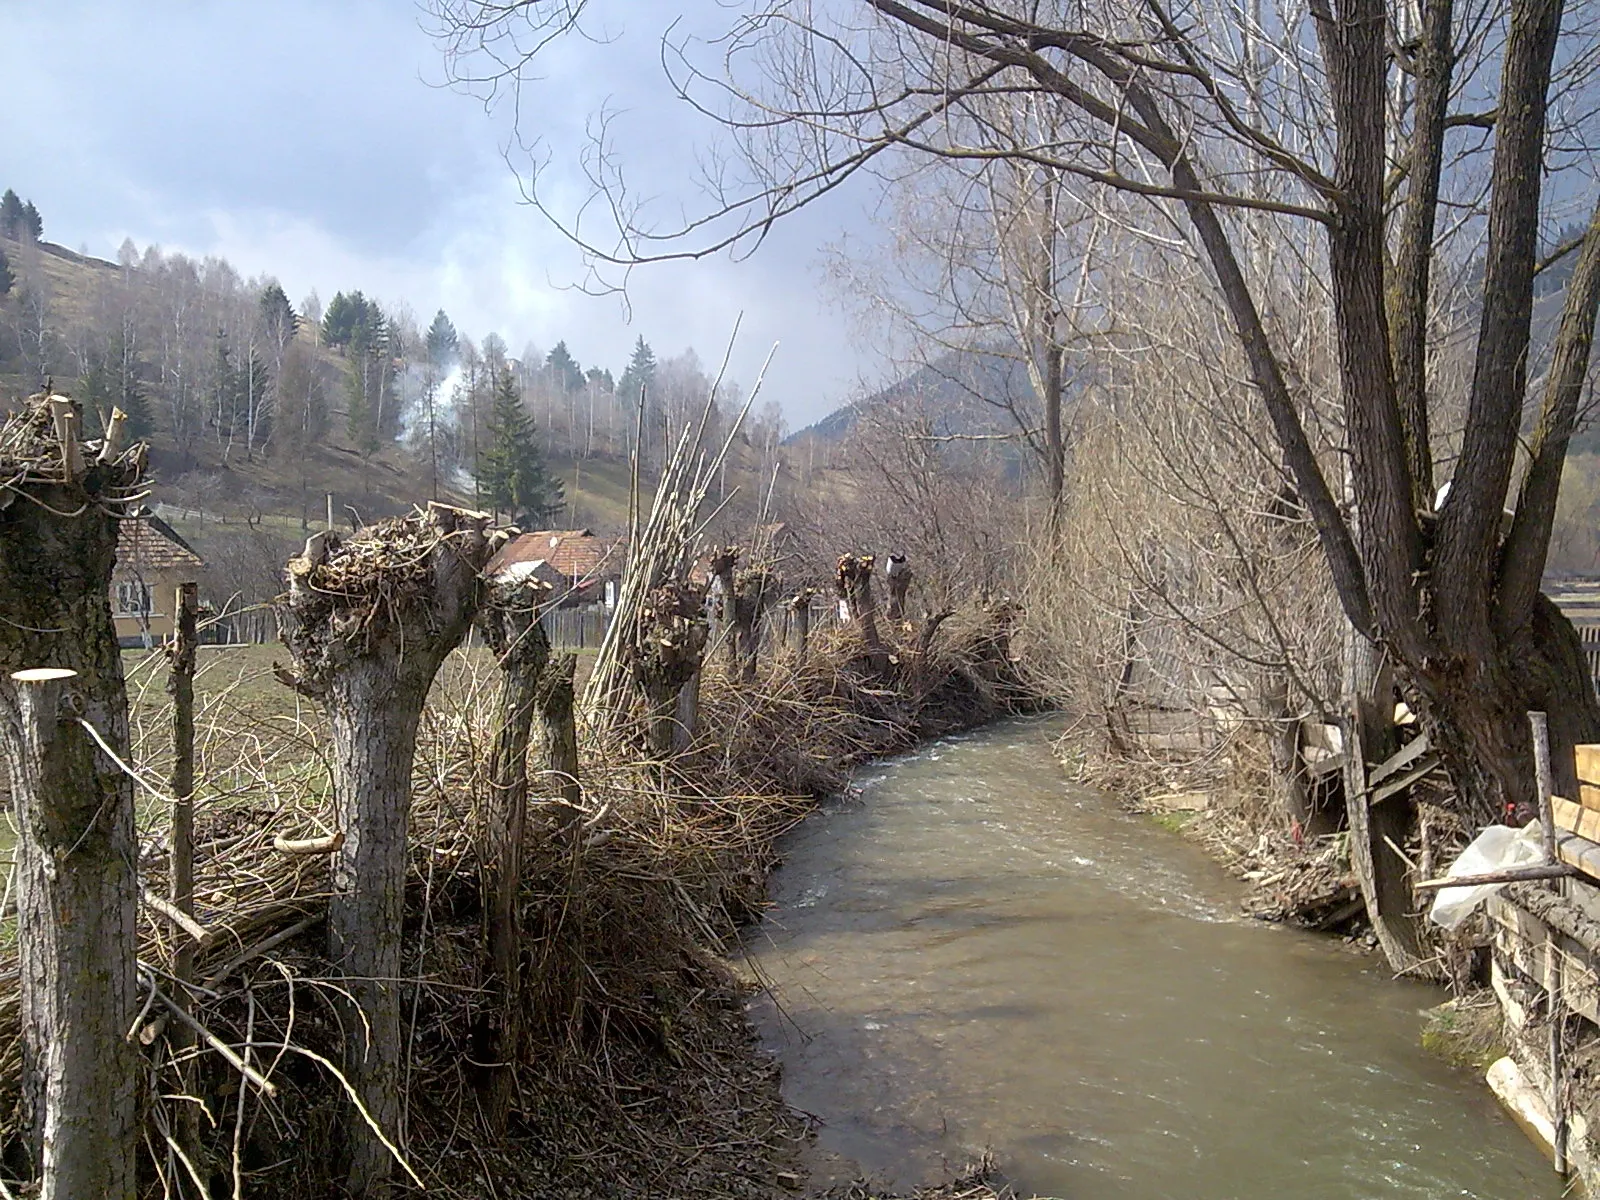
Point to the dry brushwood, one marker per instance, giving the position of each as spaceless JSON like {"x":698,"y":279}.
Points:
{"x":657,"y":554}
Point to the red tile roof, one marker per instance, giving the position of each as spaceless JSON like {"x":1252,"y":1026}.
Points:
{"x":147,"y":545}
{"x":580,"y":556}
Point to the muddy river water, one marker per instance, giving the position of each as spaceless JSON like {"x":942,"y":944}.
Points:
{"x":972,"y":953}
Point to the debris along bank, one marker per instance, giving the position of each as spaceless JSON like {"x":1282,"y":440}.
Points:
{"x":1539,"y":894}
{"x":436,"y":962}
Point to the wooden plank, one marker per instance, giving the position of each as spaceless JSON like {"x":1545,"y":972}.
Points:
{"x":1579,"y":852}
{"x":1326,"y":764}
{"x":1574,"y":818}
{"x":1586,"y":757}
{"x":1397,"y":785}
{"x":1404,"y":757}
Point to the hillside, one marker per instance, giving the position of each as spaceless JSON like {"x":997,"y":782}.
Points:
{"x":167,"y":335}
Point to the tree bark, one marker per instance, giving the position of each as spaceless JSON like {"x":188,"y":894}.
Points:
{"x":558,"y":736}
{"x":800,"y":606}
{"x":511,"y":625}
{"x":666,"y":656}
{"x":725,"y":633}
{"x":899,"y":576}
{"x":368,"y":623}
{"x":855,"y":589}
{"x":73,"y":809}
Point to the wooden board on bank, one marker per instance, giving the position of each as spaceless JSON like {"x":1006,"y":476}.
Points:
{"x":1587,"y":756}
{"x":1574,"y":818}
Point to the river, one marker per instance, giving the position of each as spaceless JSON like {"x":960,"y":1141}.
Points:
{"x":972,"y":953}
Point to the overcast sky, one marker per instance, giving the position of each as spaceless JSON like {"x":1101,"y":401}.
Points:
{"x":311,"y":140}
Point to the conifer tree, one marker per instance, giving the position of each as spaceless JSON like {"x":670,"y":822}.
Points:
{"x":13,"y":217}
{"x":32,"y":221}
{"x":640,"y":374}
{"x":278,"y":317}
{"x":442,"y":343}
{"x":7,"y":279}
{"x":634,"y":387}
{"x":513,"y":475}
{"x":564,"y":368}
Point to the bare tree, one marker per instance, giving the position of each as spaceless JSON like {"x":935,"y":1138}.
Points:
{"x":1347,"y":128}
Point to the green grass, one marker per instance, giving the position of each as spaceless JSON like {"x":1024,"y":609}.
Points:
{"x":1465,"y":1033}
{"x":1173,"y":822}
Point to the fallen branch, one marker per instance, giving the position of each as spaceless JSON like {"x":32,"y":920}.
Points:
{"x":1510,"y":875}
{"x":212,"y":1040}
{"x":318,"y":845}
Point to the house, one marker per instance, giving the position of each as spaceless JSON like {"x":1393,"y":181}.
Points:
{"x":582,"y":568}
{"x":152,"y":560}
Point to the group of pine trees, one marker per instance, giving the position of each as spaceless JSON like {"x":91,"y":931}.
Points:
{"x":213,"y":366}
{"x":19,"y":219}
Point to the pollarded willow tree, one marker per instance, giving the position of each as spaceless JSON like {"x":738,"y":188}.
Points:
{"x":1438,"y":130}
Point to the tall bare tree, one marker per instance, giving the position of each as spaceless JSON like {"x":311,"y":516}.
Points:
{"x":1380,"y":139}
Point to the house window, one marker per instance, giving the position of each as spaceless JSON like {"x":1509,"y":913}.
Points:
{"x":134,"y":599}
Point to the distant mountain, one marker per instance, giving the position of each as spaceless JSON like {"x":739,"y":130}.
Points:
{"x":966,"y":392}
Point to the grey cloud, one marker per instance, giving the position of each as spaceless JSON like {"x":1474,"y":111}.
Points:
{"x":303,"y":140}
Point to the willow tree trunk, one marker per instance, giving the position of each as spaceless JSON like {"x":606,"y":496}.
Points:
{"x":511,"y":625}
{"x":801,"y":607}
{"x":368,"y":631}
{"x":558,"y":737}
{"x":855,"y":589}
{"x":73,"y":810}
{"x":726,"y":632}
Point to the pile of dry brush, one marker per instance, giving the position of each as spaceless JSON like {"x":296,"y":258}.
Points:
{"x":638,"y":1076}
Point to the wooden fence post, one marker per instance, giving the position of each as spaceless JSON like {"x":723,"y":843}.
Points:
{"x":180,"y":685}
{"x":371,"y":663}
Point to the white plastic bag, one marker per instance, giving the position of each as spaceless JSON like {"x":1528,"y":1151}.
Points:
{"x":1497,"y":848}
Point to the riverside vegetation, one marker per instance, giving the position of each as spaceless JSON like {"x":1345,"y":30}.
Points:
{"x":633,"y":1070}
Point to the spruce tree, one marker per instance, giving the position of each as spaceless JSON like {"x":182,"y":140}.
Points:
{"x":443,"y":345}
{"x":345,"y":315}
{"x":7,"y":279}
{"x":130,"y":388}
{"x":13,"y":217}
{"x":360,"y":419}
{"x":512,"y":473}
{"x":32,"y":221}
{"x":277,"y":315}
{"x":564,"y":368}
{"x":640,"y":374}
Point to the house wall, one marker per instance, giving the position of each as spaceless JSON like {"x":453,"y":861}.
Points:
{"x":131,"y":626}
